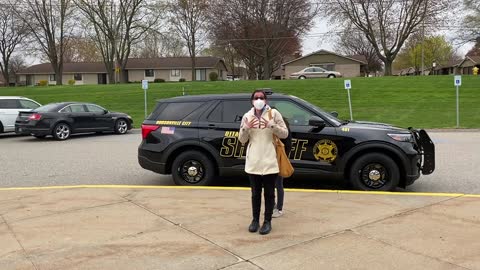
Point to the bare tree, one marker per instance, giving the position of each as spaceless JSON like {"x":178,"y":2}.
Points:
{"x":354,"y":43}
{"x":17,"y":63}
{"x":387,"y":24}
{"x":47,"y":22}
{"x":262,"y":32}
{"x":12,"y":33}
{"x":157,"y":44}
{"x":188,"y":19}
{"x":117,"y":26}
{"x":81,"y":49}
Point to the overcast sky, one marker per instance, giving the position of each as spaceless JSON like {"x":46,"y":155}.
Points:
{"x":316,"y":39}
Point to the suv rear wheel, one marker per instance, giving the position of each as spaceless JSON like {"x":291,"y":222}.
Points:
{"x":375,"y":171}
{"x":193,"y":168}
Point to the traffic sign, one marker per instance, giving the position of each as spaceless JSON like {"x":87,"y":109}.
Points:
{"x":144,"y":84}
{"x":348,"y":84}
{"x":458,"y":80}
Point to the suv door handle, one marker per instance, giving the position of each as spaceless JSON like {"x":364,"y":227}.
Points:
{"x":211,"y":125}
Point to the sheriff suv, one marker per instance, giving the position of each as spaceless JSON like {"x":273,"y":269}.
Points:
{"x":195,"y":138}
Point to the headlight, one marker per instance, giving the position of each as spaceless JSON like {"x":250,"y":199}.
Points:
{"x":401,"y":137}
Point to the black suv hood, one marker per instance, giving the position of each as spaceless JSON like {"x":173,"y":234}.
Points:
{"x":374,"y":126}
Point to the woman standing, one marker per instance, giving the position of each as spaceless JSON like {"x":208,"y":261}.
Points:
{"x":261,"y":162}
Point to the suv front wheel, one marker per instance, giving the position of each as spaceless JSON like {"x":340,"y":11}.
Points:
{"x":193,"y":168}
{"x":375,"y":171}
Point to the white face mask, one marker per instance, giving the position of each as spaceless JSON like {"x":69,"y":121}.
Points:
{"x":259,"y":104}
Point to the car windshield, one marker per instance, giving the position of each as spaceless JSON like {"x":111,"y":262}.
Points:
{"x":46,"y":108}
{"x":325,"y":114}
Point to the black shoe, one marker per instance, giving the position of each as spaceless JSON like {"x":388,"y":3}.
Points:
{"x":254,"y":226}
{"x":266,"y":227}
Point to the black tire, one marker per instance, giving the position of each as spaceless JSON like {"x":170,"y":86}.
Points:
{"x":374,"y":171}
{"x":331,"y":76}
{"x":61,"y":132}
{"x":39,"y":136}
{"x":202,"y":166}
{"x":121,"y":126}
{"x":1,"y":127}
{"x":302,"y":77}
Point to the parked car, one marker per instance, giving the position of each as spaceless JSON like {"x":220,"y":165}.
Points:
{"x":314,"y":72}
{"x":10,"y":107}
{"x":195,"y":138}
{"x":61,"y":120}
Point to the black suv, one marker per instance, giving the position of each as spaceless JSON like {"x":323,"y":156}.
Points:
{"x":195,"y":138}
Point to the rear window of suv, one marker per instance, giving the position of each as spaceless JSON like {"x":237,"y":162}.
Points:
{"x":9,"y":104}
{"x":174,"y":111}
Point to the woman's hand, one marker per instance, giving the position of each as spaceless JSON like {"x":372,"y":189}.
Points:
{"x":252,"y":123}
{"x":264,"y":123}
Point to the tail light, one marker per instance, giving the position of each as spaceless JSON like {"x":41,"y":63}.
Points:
{"x":146,"y":129}
{"x":35,"y":117}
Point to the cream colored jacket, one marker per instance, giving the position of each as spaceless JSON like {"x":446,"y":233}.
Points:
{"x":261,"y":155}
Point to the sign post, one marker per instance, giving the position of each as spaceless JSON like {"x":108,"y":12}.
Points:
{"x":458,"y":83}
{"x":348,"y":86}
{"x":145,"y":88}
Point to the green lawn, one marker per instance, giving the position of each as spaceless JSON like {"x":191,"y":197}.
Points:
{"x":423,"y":102}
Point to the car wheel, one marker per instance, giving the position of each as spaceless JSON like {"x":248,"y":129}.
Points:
{"x":39,"y":136}
{"x":61,"y":132}
{"x":374,"y":171}
{"x":193,"y":168}
{"x":331,"y":76}
{"x":121,"y":126}
{"x":1,"y":127}
{"x":302,"y":78}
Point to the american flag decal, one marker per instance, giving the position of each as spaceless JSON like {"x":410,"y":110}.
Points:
{"x":168,"y":130}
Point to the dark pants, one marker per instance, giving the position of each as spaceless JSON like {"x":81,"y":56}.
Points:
{"x":256,"y":183}
{"x":280,"y":192}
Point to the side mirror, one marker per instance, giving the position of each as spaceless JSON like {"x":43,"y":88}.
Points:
{"x":334,"y":113}
{"x":105,"y":111}
{"x":316,"y":121}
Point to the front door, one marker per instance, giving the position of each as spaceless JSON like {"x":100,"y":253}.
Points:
{"x":101,"y":118}
{"x":312,"y":148}
{"x":102,"y":78}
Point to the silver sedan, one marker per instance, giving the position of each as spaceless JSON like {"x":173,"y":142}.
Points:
{"x":315,"y":72}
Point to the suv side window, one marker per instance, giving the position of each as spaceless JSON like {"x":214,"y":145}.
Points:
{"x":178,"y":110}
{"x":295,"y":115}
{"x":27,"y":104}
{"x":231,"y":111}
{"x":9,"y":104}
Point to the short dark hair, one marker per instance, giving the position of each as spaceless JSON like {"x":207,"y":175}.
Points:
{"x":258,"y":91}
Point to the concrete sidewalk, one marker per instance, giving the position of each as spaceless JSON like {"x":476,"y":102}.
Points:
{"x":173,"y":228}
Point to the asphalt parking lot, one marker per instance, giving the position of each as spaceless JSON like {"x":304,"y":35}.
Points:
{"x":112,"y":159}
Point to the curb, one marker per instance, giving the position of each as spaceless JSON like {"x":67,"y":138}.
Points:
{"x":424,"y":194}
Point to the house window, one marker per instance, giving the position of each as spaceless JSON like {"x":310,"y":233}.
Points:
{"x":327,"y":66}
{"x":77,"y":77}
{"x":52,"y":78}
{"x":175,"y":73}
{"x":201,"y":74}
{"x":149,"y":73}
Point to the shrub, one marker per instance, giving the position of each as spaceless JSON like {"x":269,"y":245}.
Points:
{"x":71,"y":82}
{"x":213,"y":76}
{"x":43,"y":83}
{"x":182,"y":80}
{"x":159,"y":80}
